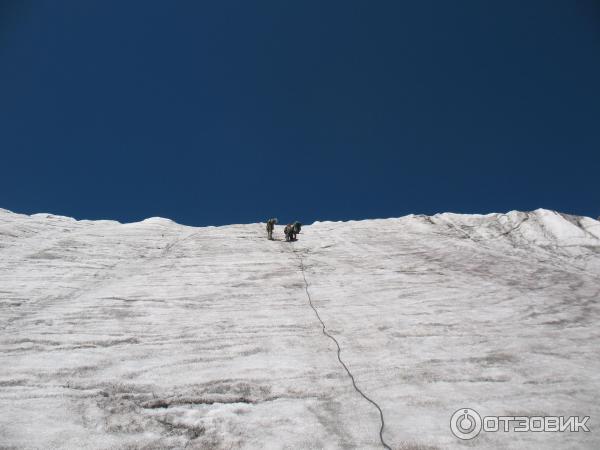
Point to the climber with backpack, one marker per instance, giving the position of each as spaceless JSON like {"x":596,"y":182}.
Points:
{"x":291,"y":230}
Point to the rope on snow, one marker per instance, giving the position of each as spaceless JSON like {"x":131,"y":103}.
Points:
{"x":339,"y":351}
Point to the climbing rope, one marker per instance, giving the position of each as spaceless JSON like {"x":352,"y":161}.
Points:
{"x":339,"y":351}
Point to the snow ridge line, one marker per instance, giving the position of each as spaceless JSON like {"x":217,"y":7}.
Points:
{"x":339,"y":351}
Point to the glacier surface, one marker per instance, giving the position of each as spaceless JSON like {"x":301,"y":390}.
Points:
{"x":159,"y":335}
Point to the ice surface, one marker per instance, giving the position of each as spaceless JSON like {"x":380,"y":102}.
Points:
{"x":158,"y":335}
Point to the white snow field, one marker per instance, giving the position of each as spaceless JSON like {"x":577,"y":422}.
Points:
{"x":158,"y":335}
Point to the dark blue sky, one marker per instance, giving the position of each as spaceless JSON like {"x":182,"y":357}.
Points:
{"x":234,"y":111}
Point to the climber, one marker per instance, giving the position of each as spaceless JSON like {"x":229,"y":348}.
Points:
{"x":291,"y":230}
{"x":270,"y":226}
{"x":288,"y":232}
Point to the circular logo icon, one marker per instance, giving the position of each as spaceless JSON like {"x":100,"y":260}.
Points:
{"x":465,"y":423}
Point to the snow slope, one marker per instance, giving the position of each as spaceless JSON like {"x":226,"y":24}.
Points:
{"x":158,"y":335}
